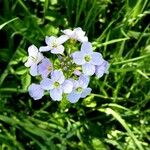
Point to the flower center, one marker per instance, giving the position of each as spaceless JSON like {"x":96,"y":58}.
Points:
{"x":54,"y":44}
{"x":67,"y":65}
{"x":87,"y":58}
{"x":56,"y":84}
{"x":49,"y":68}
{"x":34,"y":59}
{"x":72,"y":40}
{"x":79,"y":89}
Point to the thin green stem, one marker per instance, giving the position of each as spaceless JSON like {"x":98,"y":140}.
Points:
{"x":14,"y":90}
{"x":131,"y":60}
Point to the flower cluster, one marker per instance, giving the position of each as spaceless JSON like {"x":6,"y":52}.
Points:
{"x":69,"y":74}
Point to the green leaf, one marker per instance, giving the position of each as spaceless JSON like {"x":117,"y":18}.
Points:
{"x":7,"y":22}
{"x":124,"y":124}
{"x":98,"y":144}
{"x":21,"y":70}
{"x":89,"y":102}
{"x":26,"y":81}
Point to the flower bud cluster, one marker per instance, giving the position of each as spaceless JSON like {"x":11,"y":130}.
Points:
{"x":70,"y":76}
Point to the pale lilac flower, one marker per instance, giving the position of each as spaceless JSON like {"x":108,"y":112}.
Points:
{"x":57,"y":85}
{"x":80,"y":89}
{"x":35,"y":91}
{"x":54,"y":44}
{"x":45,"y":67}
{"x":76,"y":34}
{"x":33,"y":59}
{"x":101,"y":69}
{"x":87,"y":58}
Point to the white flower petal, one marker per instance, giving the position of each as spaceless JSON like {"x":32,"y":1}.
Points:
{"x":57,"y":76}
{"x":88,"y":69}
{"x":86,"y":92}
{"x":50,"y":40}
{"x":80,"y":35}
{"x":33,"y":50}
{"x":35,"y":91}
{"x":84,"y":81}
{"x":62,"y":39}
{"x":56,"y":94}
{"x":39,"y":58}
{"x":96,"y":58}
{"x":79,"y":32}
{"x":103,"y":68}
{"x":67,"y":86}
{"x":45,"y":67}
{"x":47,"y":84}
{"x":78,"y":58}
{"x":34,"y":70}
{"x":44,"y":48}
{"x":68,"y":32}
{"x":86,"y":48}
{"x":73,"y":97}
{"x":58,"y":50}
{"x":83,"y":39}
{"x":29,"y":62}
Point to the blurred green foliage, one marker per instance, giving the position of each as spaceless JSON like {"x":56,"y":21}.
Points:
{"x":116,"y":115}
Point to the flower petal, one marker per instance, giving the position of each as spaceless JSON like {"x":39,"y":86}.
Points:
{"x":46,"y":62}
{"x":44,"y":48}
{"x":78,"y":58}
{"x":49,"y":40}
{"x":44,"y":73}
{"x":35,"y":91}
{"x":79,"y":32}
{"x":47,"y":84}
{"x":33,"y":70}
{"x":86,"y":48}
{"x":29,"y":62}
{"x":73,"y":97}
{"x":68,"y":32}
{"x":56,"y":94}
{"x":84,"y":81}
{"x":77,"y":72}
{"x":88,"y":69}
{"x":57,"y":75}
{"x":33,"y":50}
{"x":96,"y":58}
{"x":86,"y":92}
{"x":103,"y":68}
{"x":62,"y":39}
{"x":83,"y":39}
{"x":67,"y":86}
{"x":58,"y":50}
{"x":45,"y":67}
{"x":39,"y":58}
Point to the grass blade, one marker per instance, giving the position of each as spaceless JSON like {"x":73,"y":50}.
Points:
{"x":7,"y":22}
{"x":124,"y":124}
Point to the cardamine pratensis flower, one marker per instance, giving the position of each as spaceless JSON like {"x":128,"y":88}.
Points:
{"x":101,"y":69}
{"x":87,"y":58}
{"x":57,"y":85}
{"x":33,"y":59}
{"x":45,"y":67}
{"x":76,"y":34}
{"x":68,"y":75}
{"x":36,"y":91}
{"x":54,"y":44}
{"x":80,"y":89}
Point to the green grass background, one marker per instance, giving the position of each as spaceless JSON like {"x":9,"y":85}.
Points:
{"x":116,"y":116}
